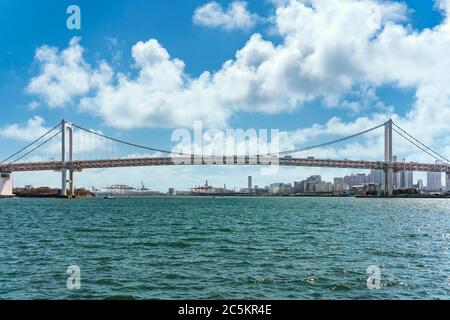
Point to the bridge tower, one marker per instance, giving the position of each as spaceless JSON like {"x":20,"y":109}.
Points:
{"x":388,"y":171}
{"x":66,"y":129}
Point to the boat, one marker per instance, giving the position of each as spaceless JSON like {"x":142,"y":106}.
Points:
{"x":109,"y":197}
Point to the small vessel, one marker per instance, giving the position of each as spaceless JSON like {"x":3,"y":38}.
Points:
{"x":109,"y":197}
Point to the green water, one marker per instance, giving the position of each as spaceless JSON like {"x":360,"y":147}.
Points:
{"x":225,"y":248}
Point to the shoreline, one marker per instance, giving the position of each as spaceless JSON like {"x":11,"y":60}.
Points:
{"x":230,"y":196}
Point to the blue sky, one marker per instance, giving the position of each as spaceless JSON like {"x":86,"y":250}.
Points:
{"x":111,"y":28}
{"x":27,"y":25}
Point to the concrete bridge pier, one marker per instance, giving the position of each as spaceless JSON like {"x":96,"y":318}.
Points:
{"x":6,"y":185}
{"x":66,"y":130}
{"x":388,"y":171}
{"x":71,"y":184}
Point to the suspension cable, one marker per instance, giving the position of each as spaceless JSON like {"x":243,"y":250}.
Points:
{"x":180,"y":153}
{"x":272,"y":154}
{"x":418,"y":146}
{"x":419,"y":142}
{"x":29,"y":145}
{"x":330,"y":142}
{"x":37,"y":147}
{"x":128,"y":143}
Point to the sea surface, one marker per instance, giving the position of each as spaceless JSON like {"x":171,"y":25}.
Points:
{"x":225,"y":248}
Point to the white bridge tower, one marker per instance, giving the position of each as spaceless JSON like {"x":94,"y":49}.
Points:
{"x":67,"y":131}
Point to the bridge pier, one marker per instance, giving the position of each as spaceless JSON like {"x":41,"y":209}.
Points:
{"x":64,"y":190}
{"x":63,"y":160}
{"x":6,"y":186}
{"x":71,"y":184}
{"x":388,"y":171}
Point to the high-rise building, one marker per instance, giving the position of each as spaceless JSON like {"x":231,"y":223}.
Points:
{"x":275,"y":188}
{"x":356,"y":179}
{"x":434,"y":182}
{"x":316,"y":179}
{"x":406,"y":179}
{"x":447,"y":181}
{"x":340,"y":185}
{"x":377,"y":177}
{"x":250,"y":185}
{"x":299,"y":186}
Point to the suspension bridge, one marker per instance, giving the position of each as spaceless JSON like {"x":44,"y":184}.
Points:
{"x":108,"y":152}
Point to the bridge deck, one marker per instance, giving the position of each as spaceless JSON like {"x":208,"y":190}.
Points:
{"x":245,"y":161}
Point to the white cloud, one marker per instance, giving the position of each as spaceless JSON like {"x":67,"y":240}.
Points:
{"x":236,"y":16}
{"x":27,"y":132}
{"x":64,"y":74}
{"x":33,"y":105}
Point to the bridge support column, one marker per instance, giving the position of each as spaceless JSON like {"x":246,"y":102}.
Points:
{"x":6,"y":185}
{"x":71,"y":184}
{"x":66,"y":127}
{"x":388,"y":171}
{"x":63,"y":160}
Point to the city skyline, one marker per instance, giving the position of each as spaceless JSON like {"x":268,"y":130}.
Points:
{"x":375,"y":177}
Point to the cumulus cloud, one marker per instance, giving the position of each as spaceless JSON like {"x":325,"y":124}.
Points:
{"x":236,"y":16}
{"x":25,"y":132}
{"x":64,"y":74}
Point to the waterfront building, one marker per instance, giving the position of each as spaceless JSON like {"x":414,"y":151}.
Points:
{"x":287,"y":188}
{"x":447,"y":182}
{"x":329,"y":187}
{"x":261,"y":191}
{"x":250,"y":185}
{"x":341,"y":187}
{"x":321,"y":186}
{"x":274,"y":188}
{"x":356,"y":179}
{"x":434,"y":182}
{"x":314,"y":179}
{"x":377,"y":177}
{"x":406,"y":179}
{"x":347,"y":180}
{"x":299,"y":186}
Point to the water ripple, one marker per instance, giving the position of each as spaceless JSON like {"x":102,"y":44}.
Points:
{"x":227,"y":248}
